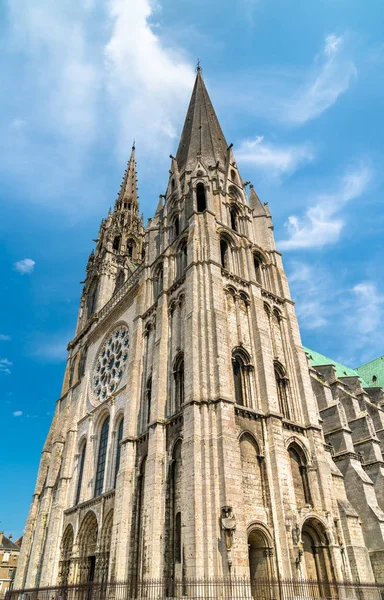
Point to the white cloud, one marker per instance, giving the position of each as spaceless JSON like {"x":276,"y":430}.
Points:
{"x":51,"y":348}
{"x":17,"y":413}
{"x":274,"y":159}
{"x":329,"y":80}
{"x":18,"y":123}
{"x":5,"y":365}
{"x":310,"y":290}
{"x":4,"y":338}
{"x":368,"y":310}
{"x":148,"y":81}
{"x":321,"y":224}
{"x":25,"y":266}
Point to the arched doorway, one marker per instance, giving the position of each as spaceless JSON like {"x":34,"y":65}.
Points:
{"x":105,"y":547}
{"x":87,"y":549}
{"x":66,"y":556}
{"x":260,"y":553}
{"x":317,"y":557}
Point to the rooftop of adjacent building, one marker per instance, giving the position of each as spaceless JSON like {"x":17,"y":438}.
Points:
{"x":6,"y":543}
{"x":371,"y":374}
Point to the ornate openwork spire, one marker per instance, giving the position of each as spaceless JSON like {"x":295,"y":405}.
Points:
{"x":202,"y":135}
{"x":128,"y":189}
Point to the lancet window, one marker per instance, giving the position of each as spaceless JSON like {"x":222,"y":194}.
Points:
{"x":282,"y":385}
{"x":201,"y":200}
{"x":178,"y":374}
{"x":148,"y":394}
{"x":158,"y":282}
{"x":102,"y":457}
{"x":182,"y":259}
{"x":116,"y":243}
{"x":118,"y":448}
{"x":241,"y":370}
{"x":299,"y":472}
{"x":81,"y":473}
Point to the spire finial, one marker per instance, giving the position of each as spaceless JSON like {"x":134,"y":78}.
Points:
{"x":133,"y":144}
{"x":198,"y":66}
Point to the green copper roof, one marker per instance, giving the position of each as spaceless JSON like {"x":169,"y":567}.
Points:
{"x":373,"y":372}
{"x":316,"y":359}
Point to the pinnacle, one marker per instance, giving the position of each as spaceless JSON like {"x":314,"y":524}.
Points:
{"x":202,"y":134}
{"x":128,"y":188}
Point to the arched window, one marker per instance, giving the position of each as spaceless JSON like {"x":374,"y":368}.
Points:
{"x":178,"y":374}
{"x":148,"y":394}
{"x":182,"y":259}
{"x":158,"y":282}
{"x":176,"y":227}
{"x":172,"y":183}
{"x":101,"y":458}
{"x":233,"y":175}
{"x":282,"y":386}
{"x":92,"y":298}
{"x":299,"y":475}
{"x":241,"y":370}
{"x":81,"y":472}
{"x":237,"y":368}
{"x":178,"y":537}
{"x":201,"y":200}
{"x":257,"y":263}
{"x":234,"y":213}
{"x":82,"y":361}
{"x":116,"y":242}
{"x":72,"y":370}
{"x":224,"y":254}
{"x":130,"y":248}
{"x":119,"y":280}
{"x":118,"y":449}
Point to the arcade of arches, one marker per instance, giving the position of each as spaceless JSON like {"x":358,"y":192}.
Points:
{"x":87,"y":559}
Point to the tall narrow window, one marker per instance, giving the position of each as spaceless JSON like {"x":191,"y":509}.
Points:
{"x":116,"y":243}
{"x":181,"y":259}
{"x":237,"y":367}
{"x":81,"y":471}
{"x":201,"y":200}
{"x":118,"y":448}
{"x":72,"y":370}
{"x":148,"y":394}
{"x":282,"y":391}
{"x":224,"y":254}
{"x":130,"y":246}
{"x":257,"y":265}
{"x":178,"y":537}
{"x":299,"y":476}
{"x":102,"y":457}
{"x":82,"y":361}
{"x":178,"y":374}
{"x":92,"y":297}
{"x":119,"y":280}
{"x":233,"y":215}
{"x":158,"y":282}
{"x":176,"y":227}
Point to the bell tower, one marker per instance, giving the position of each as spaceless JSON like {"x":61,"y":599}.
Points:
{"x":119,"y":248}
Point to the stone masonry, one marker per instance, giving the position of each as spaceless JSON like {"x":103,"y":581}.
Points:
{"x":192,"y":436}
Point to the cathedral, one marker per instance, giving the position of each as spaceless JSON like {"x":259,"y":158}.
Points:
{"x":194,"y":435}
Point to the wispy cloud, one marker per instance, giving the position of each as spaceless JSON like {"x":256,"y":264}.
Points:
{"x":322,"y":223}
{"x":327,"y":306}
{"x":25,"y":266}
{"x":17,"y":413}
{"x":331,"y":77}
{"x":274,"y":160}
{"x":310,"y":286}
{"x":145,"y":77}
{"x":50,"y":348}
{"x":5,"y":365}
{"x":4,"y":338}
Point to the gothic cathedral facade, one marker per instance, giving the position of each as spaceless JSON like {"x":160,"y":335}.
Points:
{"x":192,"y":437}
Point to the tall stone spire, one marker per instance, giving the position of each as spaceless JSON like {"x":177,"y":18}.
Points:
{"x":128,"y":188}
{"x":202,"y":135}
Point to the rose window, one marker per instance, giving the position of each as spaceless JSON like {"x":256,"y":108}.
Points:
{"x":110,"y":363}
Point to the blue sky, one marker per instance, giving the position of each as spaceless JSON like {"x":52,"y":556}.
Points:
{"x":298,"y":89}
